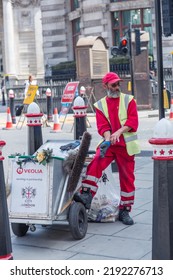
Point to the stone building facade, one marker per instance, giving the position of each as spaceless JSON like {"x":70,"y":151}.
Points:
{"x":35,"y":34}
{"x":21,"y":38}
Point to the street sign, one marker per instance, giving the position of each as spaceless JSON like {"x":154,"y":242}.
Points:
{"x":30,"y":95}
{"x":69,"y":92}
{"x":67,"y":99}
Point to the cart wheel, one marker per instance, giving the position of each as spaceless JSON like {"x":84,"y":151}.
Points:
{"x":19,"y":229}
{"x":78,"y":220}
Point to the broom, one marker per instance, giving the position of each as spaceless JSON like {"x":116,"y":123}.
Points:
{"x":79,"y":162}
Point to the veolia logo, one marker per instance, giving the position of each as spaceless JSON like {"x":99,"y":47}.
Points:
{"x":21,"y":170}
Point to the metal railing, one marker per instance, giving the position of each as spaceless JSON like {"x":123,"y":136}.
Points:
{"x":56,"y":90}
{"x":122,"y":69}
{"x":58,"y":84}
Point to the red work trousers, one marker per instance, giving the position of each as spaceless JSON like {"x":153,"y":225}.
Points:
{"x":126,"y":165}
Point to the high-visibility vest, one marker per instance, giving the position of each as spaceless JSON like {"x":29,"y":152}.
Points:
{"x":130,"y":138}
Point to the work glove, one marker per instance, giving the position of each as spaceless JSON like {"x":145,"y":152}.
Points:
{"x":75,"y":144}
{"x":65,"y":147}
{"x":103,"y":148}
{"x":70,"y":146}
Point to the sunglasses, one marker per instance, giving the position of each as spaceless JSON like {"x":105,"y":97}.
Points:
{"x":115,"y":85}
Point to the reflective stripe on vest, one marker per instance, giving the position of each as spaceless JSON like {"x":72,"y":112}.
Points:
{"x":102,"y":106}
{"x":130,"y":138}
{"x":124,"y":103}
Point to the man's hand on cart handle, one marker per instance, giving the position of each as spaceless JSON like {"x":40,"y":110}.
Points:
{"x":103,"y":148}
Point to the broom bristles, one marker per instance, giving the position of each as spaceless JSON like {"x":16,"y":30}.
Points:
{"x":79,"y":162}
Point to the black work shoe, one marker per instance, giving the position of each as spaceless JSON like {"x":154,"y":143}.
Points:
{"x":85,"y":197}
{"x":124,"y":217}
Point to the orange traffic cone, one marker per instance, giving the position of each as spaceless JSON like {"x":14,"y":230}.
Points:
{"x":56,"y":125}
{"x":9,"y":124}
{"x":171,"y":111}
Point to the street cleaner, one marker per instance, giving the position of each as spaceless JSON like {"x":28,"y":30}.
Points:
{"x":117,"y":123}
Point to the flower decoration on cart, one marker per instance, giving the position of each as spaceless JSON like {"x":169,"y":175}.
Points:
{"x":42,"y":157}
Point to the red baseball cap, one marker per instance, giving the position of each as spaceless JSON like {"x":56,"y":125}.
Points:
{"x":111,"y":78}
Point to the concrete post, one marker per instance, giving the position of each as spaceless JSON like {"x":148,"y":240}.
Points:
{"x":162,"y":228}
{"x":11,"y":105}
{"x":5,"y":238}
{"x":79,"y":109}
{"x":35,"y":139}
{"x":49,"y":104}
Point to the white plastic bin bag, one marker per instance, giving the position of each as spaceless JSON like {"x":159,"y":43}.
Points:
{"x":105,"y":204}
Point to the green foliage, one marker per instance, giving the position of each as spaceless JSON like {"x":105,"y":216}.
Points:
{"x":72,"y":64}
{"x":65,"y":65}
{"x":119,"y":60}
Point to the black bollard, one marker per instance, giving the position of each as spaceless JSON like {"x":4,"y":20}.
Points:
{"x":3,"y":89}
{"x":35,"y":138}
{"x":3,"y":98}
{"x":162,"y":228}
{"x":11,"y":105}
{"x":79,"y":127}
{"x":49,"y":104}
{"x":79,"y":109}
{"x":5,"y":238}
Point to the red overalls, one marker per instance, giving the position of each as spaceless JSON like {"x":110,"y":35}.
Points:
{"x":118,"y":152}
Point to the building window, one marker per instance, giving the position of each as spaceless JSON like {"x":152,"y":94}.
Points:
{"x":74,"y":5}
{"x":139,"y":18}
{"x":75,"y":32}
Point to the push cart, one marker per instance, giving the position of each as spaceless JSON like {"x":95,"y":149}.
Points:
{"x":43,"y":194}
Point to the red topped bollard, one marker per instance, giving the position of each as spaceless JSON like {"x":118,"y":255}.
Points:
{"x":162,"y":226}
{"x":5,"y":238}
{"x":49,"y":104}
{"x":80,"y":114}
{"x":34,"y":123}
